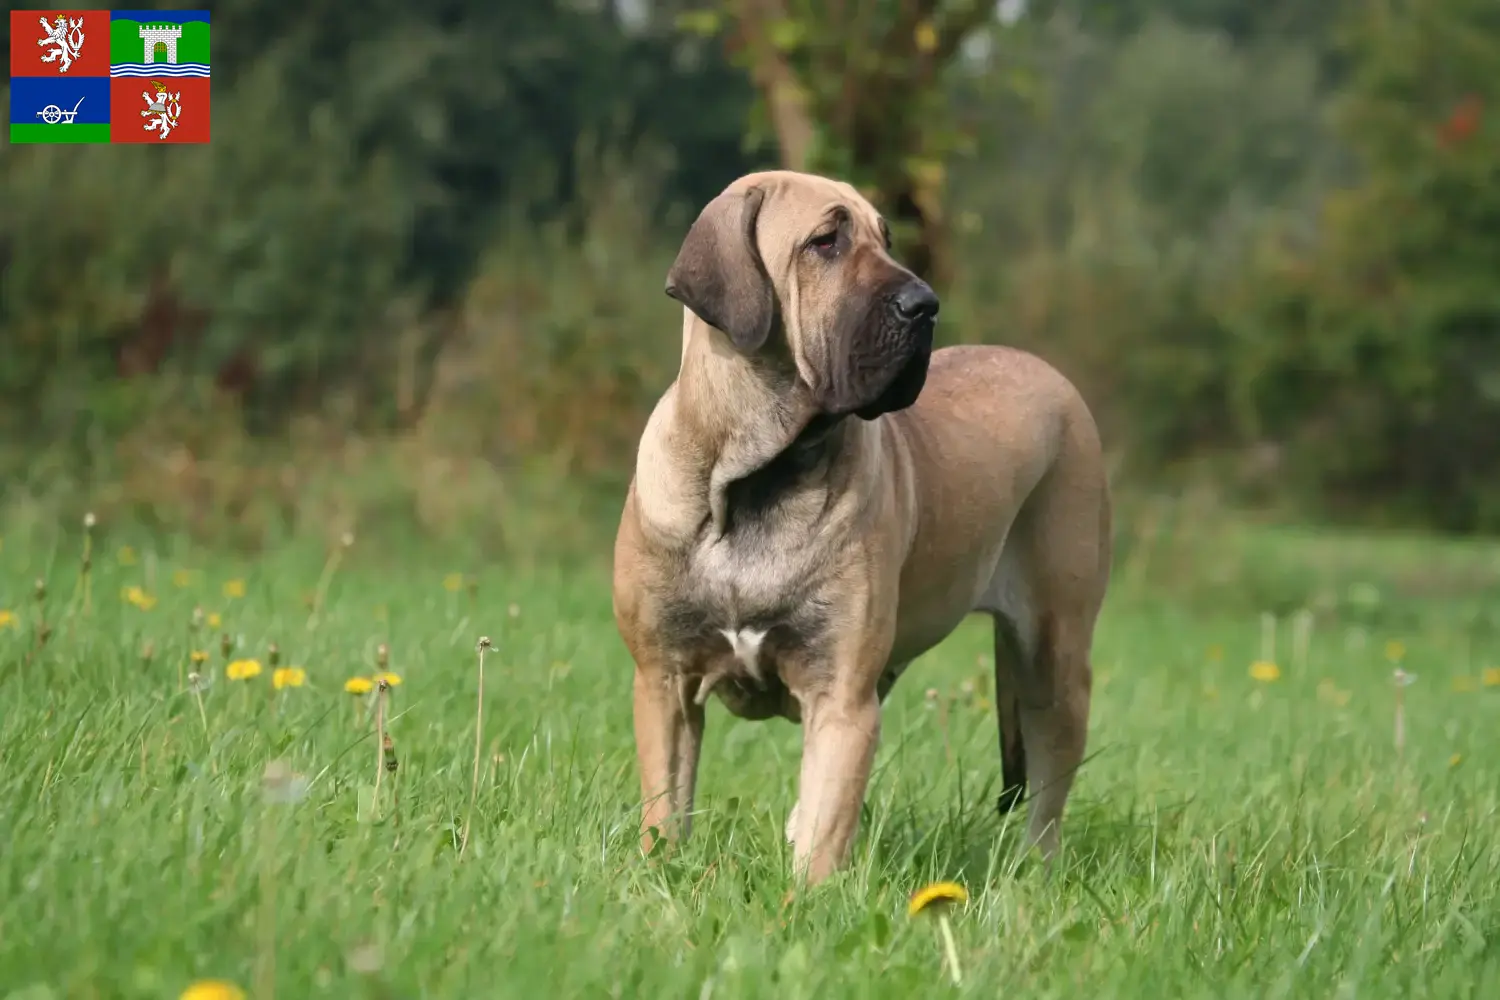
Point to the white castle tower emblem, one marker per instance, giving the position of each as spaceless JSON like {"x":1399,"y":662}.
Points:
{"x":168,"y":50}
{"x":166,"y":35}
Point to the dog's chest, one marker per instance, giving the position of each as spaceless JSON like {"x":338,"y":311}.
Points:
{"x":745,"y":580}
{"x":749,"y":602}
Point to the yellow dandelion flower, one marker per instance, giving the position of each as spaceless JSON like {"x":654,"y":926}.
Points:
{"x":182,"y":578}
{"x":1455,"y":760}
{"x":138,"y":597}
{"x":1265,"y":671}
{"x":1463,"y":685}
{"x":391,"y":679}
{"x":213,"y":989}
{"x":215,"y":619}
{"x":288,"y":677}
{"x":7,"y":619}
{"x":198,"y":656}
{"x":242,"y":670}
{"x":1395,"y":650}
{"x":126,"y":555}
{"x":234,"y":588}
{"x":359,"y":685}
{"x":938,"y":892}
{"x":453,"y":582}
{"x":937,"y":898}
{"x":1491,"y":677}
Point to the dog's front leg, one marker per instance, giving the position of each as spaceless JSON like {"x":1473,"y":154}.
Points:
{"x":840,"y":730}
{"x":668,"y":737}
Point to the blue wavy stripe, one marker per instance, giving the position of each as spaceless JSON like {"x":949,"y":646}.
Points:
{"x":158,"y":69}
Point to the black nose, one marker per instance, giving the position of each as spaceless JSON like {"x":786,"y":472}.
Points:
{"x":916,"y":300}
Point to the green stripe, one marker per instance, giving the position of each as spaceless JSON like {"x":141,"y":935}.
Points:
{"x":42,"y":132}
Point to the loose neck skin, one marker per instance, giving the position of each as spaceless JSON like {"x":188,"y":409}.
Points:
{"x":728,"y":415}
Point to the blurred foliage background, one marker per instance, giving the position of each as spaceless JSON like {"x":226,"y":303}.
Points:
{"x":415,"y":280}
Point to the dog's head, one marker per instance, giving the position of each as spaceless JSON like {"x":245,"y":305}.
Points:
{"x":801,"y":261}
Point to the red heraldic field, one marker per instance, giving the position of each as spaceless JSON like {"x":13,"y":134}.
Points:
{"x":137,"y":107}
{"x":59,"y":43}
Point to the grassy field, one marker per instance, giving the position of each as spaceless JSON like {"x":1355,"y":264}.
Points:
{"x":1229,"y":837}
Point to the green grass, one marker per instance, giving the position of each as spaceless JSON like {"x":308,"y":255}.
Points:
{"x":1226,"y":838}
{"x":41,"y":132}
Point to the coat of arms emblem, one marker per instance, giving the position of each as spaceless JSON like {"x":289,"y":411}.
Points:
{"x":166,"y":106}
{"x":66,"y":39}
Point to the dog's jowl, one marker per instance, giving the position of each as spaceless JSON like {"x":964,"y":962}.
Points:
{"x":820,"y":497}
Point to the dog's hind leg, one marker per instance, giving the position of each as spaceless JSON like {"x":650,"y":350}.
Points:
{"x":1062,"y":553}
{"x":1042,"y":684}
{"x":1008,"y":601}
{"x":1008,"y":660}
{"x":1053,"y":711}
{"x":1045,"y":597}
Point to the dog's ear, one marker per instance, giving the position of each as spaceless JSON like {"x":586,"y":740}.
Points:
{"x":719,"y":273}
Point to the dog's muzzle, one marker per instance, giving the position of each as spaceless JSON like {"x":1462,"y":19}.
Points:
{"x":905,"y":332}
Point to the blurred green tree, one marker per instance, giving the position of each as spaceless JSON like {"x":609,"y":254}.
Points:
{"x":1244,"y":22}
{"x":855,"y":89}
{"x":1390,"y":332}
{"x":364,"y":159}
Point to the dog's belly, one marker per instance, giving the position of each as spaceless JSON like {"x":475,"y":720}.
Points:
{"x":925,"y":634}
{"x":933,"y":604}
{"x":924,"y":624}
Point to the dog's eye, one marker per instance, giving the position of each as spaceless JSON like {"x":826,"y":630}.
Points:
{"x":825,"y":244}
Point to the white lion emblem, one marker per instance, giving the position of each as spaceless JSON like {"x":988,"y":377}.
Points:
{"x":167,"y":108}
{"x":66,"y":36}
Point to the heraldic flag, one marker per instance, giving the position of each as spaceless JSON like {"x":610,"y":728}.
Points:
{"x":109,"y":76}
